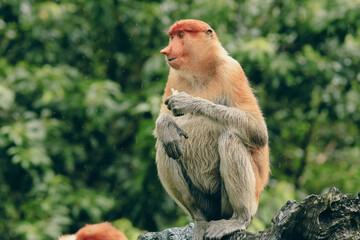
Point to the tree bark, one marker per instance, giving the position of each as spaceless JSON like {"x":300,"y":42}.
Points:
{"x":332,"y":215}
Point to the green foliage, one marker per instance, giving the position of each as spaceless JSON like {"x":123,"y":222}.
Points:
{"x":128,"y":229}
{"x":81,"y":85}
{"x":269,"y":205}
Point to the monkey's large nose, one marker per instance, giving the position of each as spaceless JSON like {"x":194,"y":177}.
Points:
{"x":165,"y":51}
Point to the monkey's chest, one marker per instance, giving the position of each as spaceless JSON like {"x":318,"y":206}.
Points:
{"x":201,"y":158}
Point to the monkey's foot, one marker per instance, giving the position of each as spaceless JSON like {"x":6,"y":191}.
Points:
{"x":221,"y":228}
{"x":199,"y":229}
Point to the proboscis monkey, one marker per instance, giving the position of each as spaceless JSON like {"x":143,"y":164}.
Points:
{"x":212,"y":141}
{"x":100,"y":231}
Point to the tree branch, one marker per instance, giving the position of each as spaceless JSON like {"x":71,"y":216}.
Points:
{"x":332,"y":215}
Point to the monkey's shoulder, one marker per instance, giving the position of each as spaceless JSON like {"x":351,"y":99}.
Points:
{"x":222,"y":100}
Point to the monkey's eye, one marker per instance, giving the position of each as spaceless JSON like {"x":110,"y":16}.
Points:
{"x":181,"y":34}
{"x":172,"y":36}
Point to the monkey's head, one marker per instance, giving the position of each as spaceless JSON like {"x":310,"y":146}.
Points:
{"x":191,"y":42}
{"x":100,"y":231}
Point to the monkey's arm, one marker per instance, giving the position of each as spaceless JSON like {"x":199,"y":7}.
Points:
{"x":169,"y":133}
{"x":250,"y":128}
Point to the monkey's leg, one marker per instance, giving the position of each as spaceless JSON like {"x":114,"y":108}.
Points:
{"x":172,"y":178}
{"x":239,"y":181}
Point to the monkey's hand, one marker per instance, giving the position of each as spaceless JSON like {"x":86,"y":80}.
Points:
{"x":169,"y":133}
{"x":181,"y":103}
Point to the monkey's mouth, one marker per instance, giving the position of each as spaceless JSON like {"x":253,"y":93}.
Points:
{"x":171,"y":59}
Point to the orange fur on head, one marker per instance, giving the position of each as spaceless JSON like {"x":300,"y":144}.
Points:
{"x":190,"y":25}
{"x":192,"y":47}
{"x":100,"y":231}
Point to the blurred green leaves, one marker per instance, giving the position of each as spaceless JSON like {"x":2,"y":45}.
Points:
{"x":40,"y":132}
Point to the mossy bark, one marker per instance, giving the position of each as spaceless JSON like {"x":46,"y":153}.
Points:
{"x":331,"y":216}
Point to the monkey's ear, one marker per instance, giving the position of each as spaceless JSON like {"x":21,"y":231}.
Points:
{"x":210,"y":32}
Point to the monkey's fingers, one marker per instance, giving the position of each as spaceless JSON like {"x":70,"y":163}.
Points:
{"x":179,"y":149}
{"x":169,"y":151}
{"x":169,"y":104}
{"x":182,"y":133}
{"x":172,"y":105}
{"x":176,"y":112}
{"x":167,"y":101}
{"x":172,"y":149}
